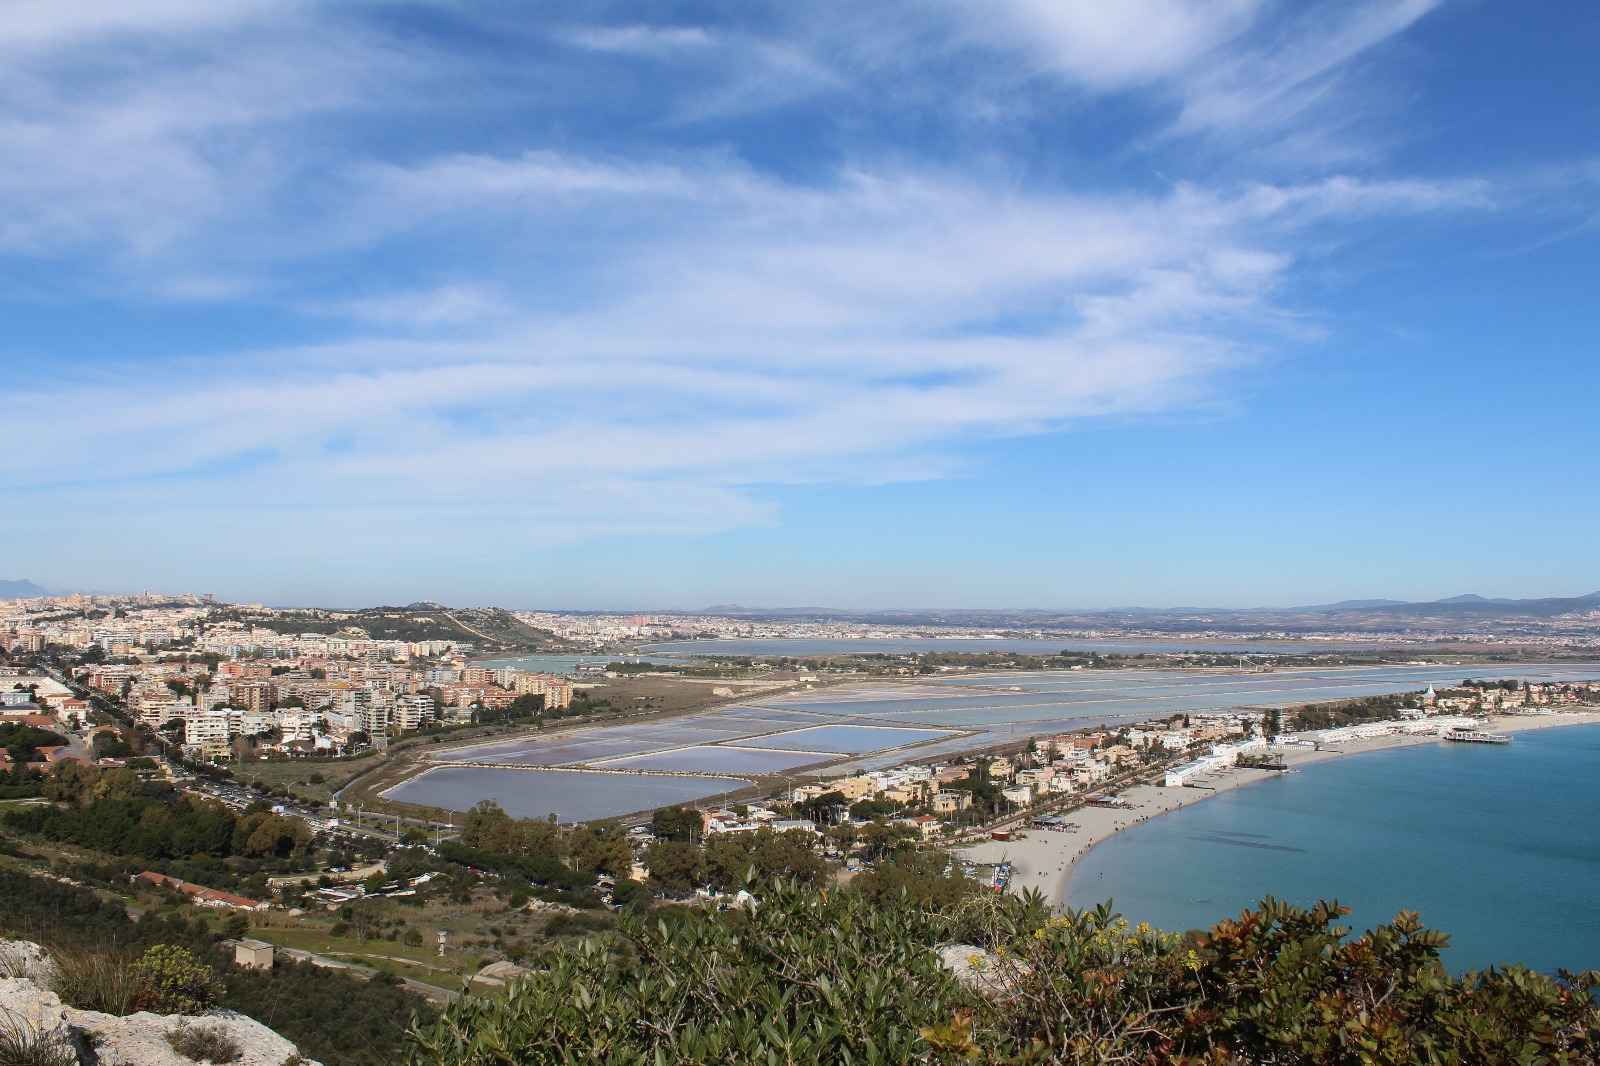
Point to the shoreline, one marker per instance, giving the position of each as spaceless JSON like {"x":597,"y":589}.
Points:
{"x":1044,"y":859}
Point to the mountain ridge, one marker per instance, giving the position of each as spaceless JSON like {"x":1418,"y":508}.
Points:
{"x":20,"y":589}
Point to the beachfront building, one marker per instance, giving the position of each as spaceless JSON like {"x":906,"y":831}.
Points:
{"x":1371,"y":730}
{"x":1222,"y":756}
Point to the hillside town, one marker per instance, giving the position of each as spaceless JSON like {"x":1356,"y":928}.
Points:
{"x":222,"y":690}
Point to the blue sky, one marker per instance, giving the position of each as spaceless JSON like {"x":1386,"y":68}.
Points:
{"x":1032,"y":303}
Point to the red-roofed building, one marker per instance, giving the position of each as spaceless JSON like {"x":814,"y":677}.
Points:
{"x":206,"y":897}
{"x":40,"y":721}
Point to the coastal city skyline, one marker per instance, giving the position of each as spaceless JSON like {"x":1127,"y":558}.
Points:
{"x":1069,"y":305}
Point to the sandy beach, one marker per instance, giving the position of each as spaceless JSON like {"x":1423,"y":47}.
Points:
{"x":1044,"y":858}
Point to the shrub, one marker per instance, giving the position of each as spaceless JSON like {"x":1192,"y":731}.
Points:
{"x":24,"y":1044}
{"x":172,"y":981}
{"x":1279,"y":984}
{"x":805,"y":978}
{"x":833,"y":977}
{"x":205,"y":1043}
{"x":576,"y":924}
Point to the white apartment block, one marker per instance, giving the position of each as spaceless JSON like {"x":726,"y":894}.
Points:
{"x":412,"y":712}
{"x":205,"y":727}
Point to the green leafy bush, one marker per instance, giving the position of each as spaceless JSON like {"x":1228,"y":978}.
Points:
{"x":1280,"y":984}
{"x":813,"y":977}
{"x":804,"y":978}
{"x":172,"y":981}
{"x":576,"y":924}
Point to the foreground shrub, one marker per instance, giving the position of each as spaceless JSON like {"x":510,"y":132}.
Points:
{"x":810,"y":977}
{"x":806,"y":978}
{"x":1281,"y":984}
{"x":171,"y":981}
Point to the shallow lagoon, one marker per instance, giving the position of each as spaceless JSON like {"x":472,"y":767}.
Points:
{"x":573,"y":797}
{"x":764,"y":736}
{"x":728,"y":760}
{"x":1081,"y":697}
{"x":1024,"y":645}
{"x":844,"y":739}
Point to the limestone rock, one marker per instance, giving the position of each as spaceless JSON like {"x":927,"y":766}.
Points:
{"x":980,"y":969}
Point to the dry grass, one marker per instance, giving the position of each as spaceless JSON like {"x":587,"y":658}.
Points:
{"x":93,"y":980}
{"x":24,"y":1044}
{"x":205,"y":1043}
{"x":17,"y":960}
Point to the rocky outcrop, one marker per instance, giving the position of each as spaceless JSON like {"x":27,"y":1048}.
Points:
{"x":28,"y":1006}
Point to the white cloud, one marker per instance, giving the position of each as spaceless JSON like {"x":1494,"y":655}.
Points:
{"x":639,"y":39}
{"x":1264,"y":88}
{"x":757,"y":333}
{"x":1112,"y":45}
{"x":34,"y":24}
{"x":553,"y":342}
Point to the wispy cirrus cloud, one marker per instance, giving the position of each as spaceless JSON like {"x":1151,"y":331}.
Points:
{"x":760,"y":334}
{"x":552,"y":332}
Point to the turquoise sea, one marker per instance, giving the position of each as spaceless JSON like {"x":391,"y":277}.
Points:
{"x":1497,"y":845}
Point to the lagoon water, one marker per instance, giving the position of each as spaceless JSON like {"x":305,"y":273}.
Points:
{"x":571,"y":797}
{"x":1024,"y":645}
{"x":1498,"y":846}
{"x":795,"y":729}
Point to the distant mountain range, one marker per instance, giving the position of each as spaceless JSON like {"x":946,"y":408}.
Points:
{"x":1469,"y":611}
{"x":20,"y":590}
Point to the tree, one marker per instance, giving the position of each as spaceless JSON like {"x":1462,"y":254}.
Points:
{"x":601,"y":849}
{"x":675,"y":866}
{"x":790,"y":855}
{"x":71,"y":782}
{"x":1271,"y":723}
{"x":878,"y":839}
{"x":631,"y":895}
{"x":868,"y":809}
{"x":119,"y":784}
{"x":821,"y":808}
{"x":478,"y":821}
{"x":925,"y":877}
{"x":676,"y":823}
